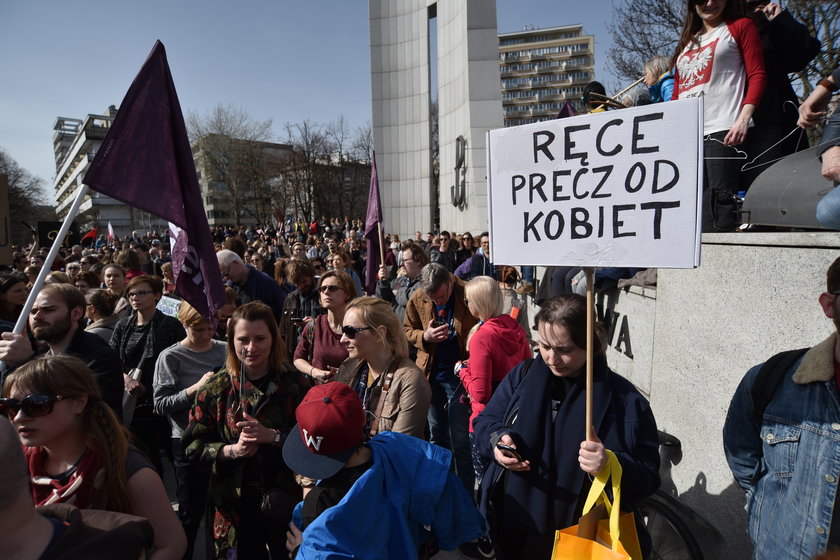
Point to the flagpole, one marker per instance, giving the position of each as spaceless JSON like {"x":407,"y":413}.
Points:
{"x":381,"y":245}
{"x":48,"y":262}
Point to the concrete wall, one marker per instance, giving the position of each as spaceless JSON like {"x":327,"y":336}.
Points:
{"x":469,"y":98}
{"x":400,"y":105}
{"x":470,"y":101}
{"x":694,"y":337}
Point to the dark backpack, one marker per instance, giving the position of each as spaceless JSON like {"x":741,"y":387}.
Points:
{"x":768,"y":379}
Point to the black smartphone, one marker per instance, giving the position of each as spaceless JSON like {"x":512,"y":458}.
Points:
{"x":509,"y":451}
{"x":437,"y":324}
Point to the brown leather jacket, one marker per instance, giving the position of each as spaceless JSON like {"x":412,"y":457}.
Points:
{"x":420,"y":310}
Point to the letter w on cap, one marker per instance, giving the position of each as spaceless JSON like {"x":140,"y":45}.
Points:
{"x":312,"y":441}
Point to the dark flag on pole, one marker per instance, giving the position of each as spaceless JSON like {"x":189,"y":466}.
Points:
{"x":373,"y":230}
{"x":567,"y":110}
{"x":145,"y":161}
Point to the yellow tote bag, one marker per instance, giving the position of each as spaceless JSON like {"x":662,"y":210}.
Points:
{"x":603,"y":532}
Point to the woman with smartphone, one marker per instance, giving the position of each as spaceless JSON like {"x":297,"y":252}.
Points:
{"x":533,"y":431}
{"x":319,"y":351}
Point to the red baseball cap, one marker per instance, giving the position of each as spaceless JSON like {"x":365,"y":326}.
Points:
{"x":330,"y":425}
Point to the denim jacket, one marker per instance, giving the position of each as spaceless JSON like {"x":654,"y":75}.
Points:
{"x":790,"y":467}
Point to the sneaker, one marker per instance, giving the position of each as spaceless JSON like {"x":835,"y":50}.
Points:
{"x":481,"y":549}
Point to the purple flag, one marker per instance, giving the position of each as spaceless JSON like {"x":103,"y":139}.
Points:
{"x":567,"y":110}
{"x":372,"y":221}
{"x":145,"y":161}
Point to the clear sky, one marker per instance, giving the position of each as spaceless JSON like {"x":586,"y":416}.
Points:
{"x":280,"y":59}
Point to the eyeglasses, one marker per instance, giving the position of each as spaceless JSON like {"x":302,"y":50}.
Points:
{"x":33,"y":406}
{"x":139,"y":293}
{"x":331,"y":288}
{"x":351,"y":331}
{"x":74,"y":268}
{"x":226,"y":272}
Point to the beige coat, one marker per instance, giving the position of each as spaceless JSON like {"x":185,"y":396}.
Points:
{"x":407,"y":402}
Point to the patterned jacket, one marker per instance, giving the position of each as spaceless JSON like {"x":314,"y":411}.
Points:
{"x":212,"y":425}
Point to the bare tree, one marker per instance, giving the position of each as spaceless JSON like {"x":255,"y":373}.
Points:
{"x":233,"y":148}
{"x":641,"y":29}
{"x":26,"y":198}
{"x":302,"y":174}
{"x":361,"y":145}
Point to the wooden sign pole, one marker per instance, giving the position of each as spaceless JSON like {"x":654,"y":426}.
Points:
{"x":590,"y":350}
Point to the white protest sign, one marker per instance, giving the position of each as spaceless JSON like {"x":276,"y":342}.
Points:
{"x":612,"y":189}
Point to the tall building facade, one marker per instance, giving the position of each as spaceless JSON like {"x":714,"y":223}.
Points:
{"x":75,"y":142}
{"x":435,"y":93}
{"x":543,"y":68}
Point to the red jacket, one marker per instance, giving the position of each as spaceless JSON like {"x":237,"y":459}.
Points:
{"x":495,"y":348}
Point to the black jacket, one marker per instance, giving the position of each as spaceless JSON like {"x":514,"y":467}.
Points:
{"x":103,"y":361}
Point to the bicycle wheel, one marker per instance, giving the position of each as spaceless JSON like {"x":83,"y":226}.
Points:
{"x":670,"y":537}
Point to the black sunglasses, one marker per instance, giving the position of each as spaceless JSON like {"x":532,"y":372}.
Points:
{"x":33,"y":406}
{"x":350,"y":331}
{"x":332,"y":288}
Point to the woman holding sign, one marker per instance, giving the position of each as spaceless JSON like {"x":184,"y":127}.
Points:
{"x":532,"y":429}
{"x":720,"y":57}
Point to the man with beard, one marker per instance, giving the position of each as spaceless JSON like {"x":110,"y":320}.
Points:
{"x":55,"y":320}
{"x":781,"y":439}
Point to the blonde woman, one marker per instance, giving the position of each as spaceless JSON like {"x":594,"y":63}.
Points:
{"x":496,"y":344}
{"x":394,"y":392}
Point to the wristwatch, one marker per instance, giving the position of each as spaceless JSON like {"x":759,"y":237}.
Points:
{"x":278,"y":437}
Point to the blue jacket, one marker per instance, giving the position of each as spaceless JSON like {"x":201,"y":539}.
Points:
{"x":259,"y":286}
{"x":789,"y":467}
{"x":548,"y":496}
{"x":383,"y":514}
{"x":663,"y":88}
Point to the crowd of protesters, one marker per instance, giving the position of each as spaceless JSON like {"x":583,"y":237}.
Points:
{"x":326,"y":412}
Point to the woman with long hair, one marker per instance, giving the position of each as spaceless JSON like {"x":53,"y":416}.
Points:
{"x":496,"y":344}
{"x":14,"y":290}
{"x":78,"y":452}
{"x":719,"y":57}
{"x":100,"y":312}
{"x":342,"y":262}
{"x":393,"y":390}
{"x":113,"y":279}
{"x":319,"y":351}
{"x":139,"y":339}
{"x":534,"y":483}
{"x":237,"y":426}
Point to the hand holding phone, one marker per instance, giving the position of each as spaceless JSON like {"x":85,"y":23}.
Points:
{"x":509,"y":451}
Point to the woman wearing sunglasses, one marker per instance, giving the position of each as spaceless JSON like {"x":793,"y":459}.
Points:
{"x":78,"y":452}
{"x":237,"y":427}
{"x":319,"y":351}
{"x":393,"y":390}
